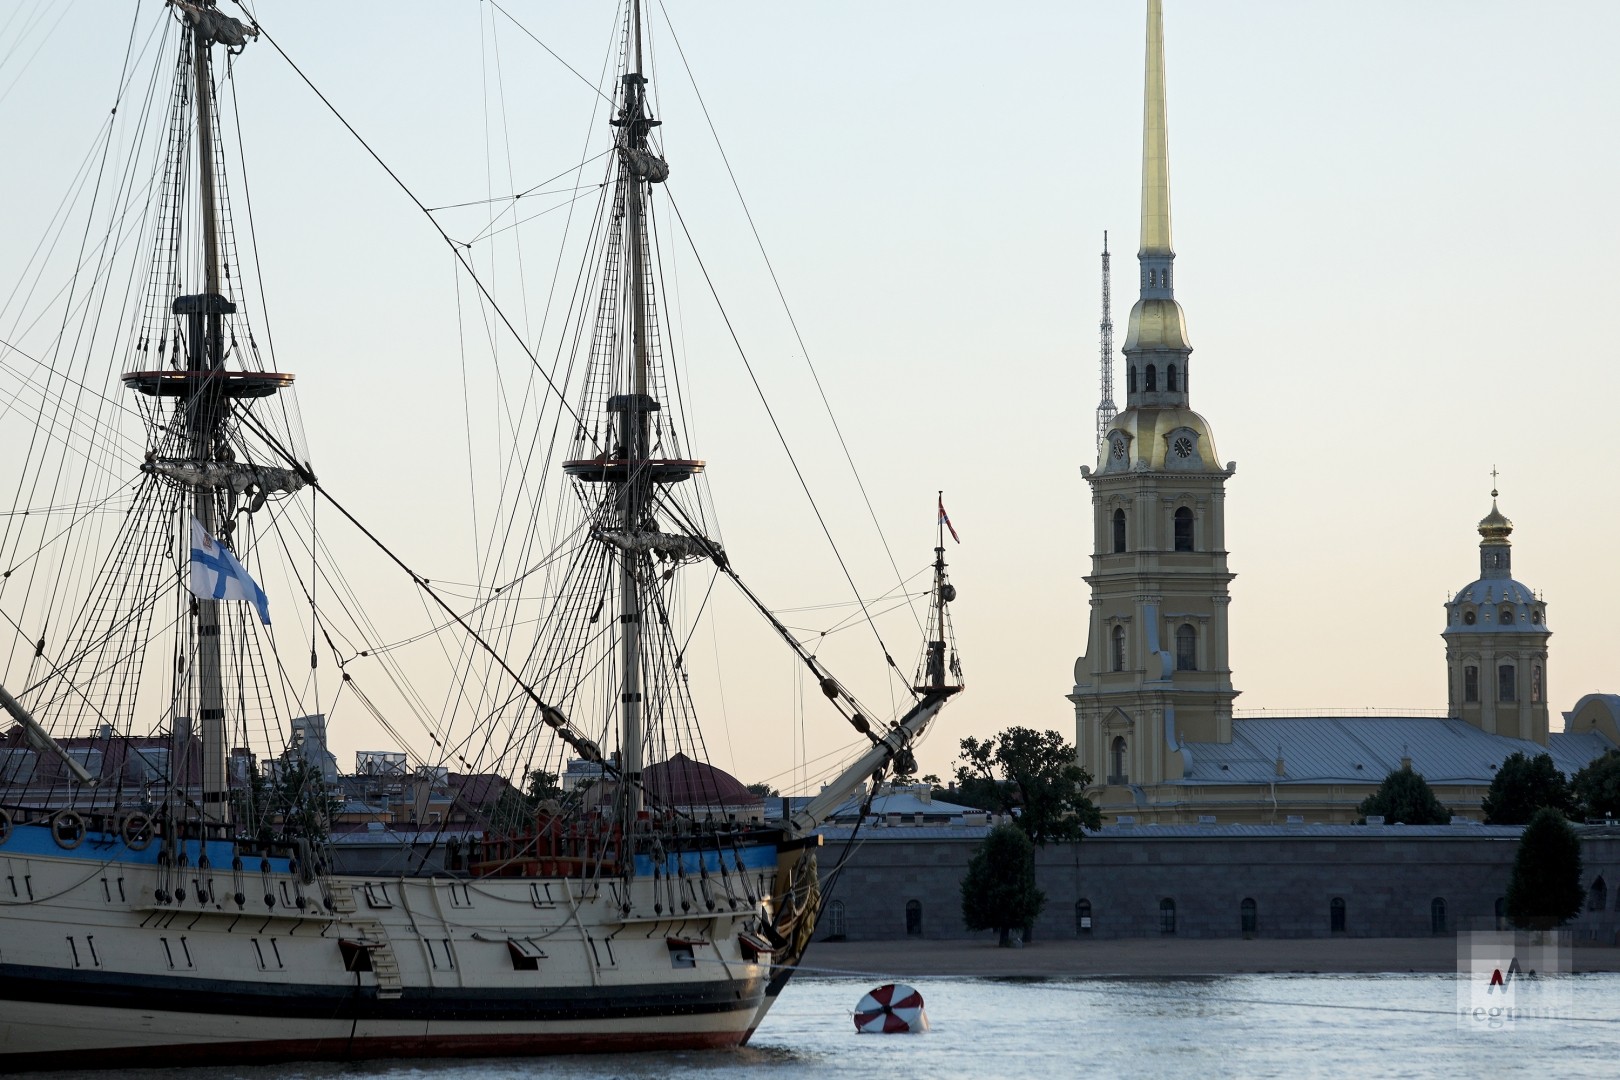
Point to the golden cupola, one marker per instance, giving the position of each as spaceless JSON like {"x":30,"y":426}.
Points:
{"x":1494,"y":527}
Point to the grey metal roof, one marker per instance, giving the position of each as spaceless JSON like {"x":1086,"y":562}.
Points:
{"x":836,"y":834}
{"x":904,"y":802}
{"x":1315,"y":830}
{"x":1364,"y":749}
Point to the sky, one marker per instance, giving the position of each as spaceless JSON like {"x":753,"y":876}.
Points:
{"x":1393,"y":221}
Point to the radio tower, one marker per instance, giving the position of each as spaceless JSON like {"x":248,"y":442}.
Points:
{"x":1105,"y":408}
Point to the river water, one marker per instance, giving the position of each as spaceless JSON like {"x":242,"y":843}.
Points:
{"x":1242,"y":1025}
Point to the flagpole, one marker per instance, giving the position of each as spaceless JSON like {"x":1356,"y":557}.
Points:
{"x":939,"y":519}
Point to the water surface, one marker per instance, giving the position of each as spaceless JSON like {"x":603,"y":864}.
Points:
{"x":1242,"y":1025}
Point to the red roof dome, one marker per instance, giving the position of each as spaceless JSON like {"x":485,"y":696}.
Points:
{"x":681,"y":781}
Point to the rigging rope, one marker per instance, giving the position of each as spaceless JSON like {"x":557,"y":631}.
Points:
{"x":782,"y":296}
{"x":782,"y":438}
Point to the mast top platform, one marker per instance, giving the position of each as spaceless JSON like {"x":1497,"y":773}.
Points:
{"x":184,"y":383}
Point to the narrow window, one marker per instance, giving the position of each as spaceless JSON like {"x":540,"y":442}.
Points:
{"x":1119,"y":648}
{"x":1130,"y":378}
{"x":1170,"y":377}
{"x":1598,"y":898}
{"x":1506,"y":687}
{"x":1186,"y":648}
{"x":835,"y":921}
{"x":913,"y":918}
{"x":1336,"y":915}
{"x":1117,"y":774}
{"x":1119,"y":532}
{"x":1184,"y":528}
{"x":1167,"y":916}
{"x":1437,"y":916}
{"x":1535,"y":683}
{"x":1470,"y":683}
{"x":1249,"y":913}
{"x":1152,"y":378}
{"x":1082,"y":917}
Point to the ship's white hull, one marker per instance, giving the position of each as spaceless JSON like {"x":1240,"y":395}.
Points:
{"x":95,"y":966}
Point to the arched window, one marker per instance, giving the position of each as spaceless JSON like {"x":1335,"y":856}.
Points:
{"x":914,"y":918}
{"x":1152,"y":378}
{"x":1470,"y":683}
{"x":1186,"y":648}
{"x":1535,"y":683}
{"x":1597,"y":898}
{"x":1336,"y":915}
{"x":1082,"y":917}
{"x":1184,"y":528}
{"x":1167,"y":916}
{"x":1437,"y":915}
{"x":1130,"y":378}
{"x":835,"y":921}
{"x":1507,"y":687}
{"x":1119,"y":532}
{"x":1119,"y":648}
{"x":1116,"y":760}
{"x":1249,"y":912}
{"x":1170,"y":377}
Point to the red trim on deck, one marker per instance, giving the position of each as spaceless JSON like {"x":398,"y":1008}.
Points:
{"x":374,"y":1047}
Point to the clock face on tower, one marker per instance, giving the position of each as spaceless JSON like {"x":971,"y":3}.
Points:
{"x":1119,"y":449}
{"x":1183,"y":447}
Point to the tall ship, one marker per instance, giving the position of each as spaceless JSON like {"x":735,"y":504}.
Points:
{"x":170,"y":883}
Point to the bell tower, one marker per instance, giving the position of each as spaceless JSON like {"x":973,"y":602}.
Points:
{"x":1155,"y":674}
{"x":1496,"y":643}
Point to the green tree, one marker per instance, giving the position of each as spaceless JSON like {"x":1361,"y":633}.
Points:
{"x":1032,"y":774}
{"x":1406,"y":797}
{"x":764,"y":790}
{"x":1524,"y":785}
{"x":1545,"y":889}
{"x":542,"y":785}
{"x":1596,"y":788}
{"x":998,"y":892}
{"x":294,"y":801}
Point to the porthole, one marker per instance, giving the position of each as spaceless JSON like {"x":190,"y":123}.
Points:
{"x":67,"y":829}
{"x":1468,"y":618}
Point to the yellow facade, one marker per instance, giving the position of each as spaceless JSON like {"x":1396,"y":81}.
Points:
{"x":1153,"y":693}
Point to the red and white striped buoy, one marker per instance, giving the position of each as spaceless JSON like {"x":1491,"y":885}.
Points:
{"x":891,"y":1009}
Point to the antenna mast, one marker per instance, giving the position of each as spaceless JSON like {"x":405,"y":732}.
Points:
{"x":1105,"y":408}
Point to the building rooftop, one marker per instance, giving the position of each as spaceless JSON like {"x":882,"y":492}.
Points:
{"x":837,"y":834}
{"x":1364,"y":749}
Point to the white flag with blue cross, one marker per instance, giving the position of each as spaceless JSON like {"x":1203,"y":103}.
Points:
{"x":216,"y":575}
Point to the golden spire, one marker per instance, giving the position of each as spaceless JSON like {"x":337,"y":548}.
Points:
{"x":1158,"y":325}
{"x":1155,"y":143}
{"x":1494,"y":527}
